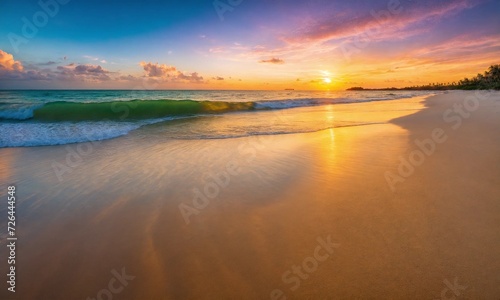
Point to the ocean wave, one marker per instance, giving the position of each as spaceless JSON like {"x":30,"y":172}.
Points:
{"x":36,"y":134}
{"x":69,"y":111}
{"x":132,"y":110}
{"x":29,"y":134}
{"x":17,"y":111}
{"x":65,"y":122}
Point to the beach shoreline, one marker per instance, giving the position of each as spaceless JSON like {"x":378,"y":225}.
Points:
{"x":399,"y":209}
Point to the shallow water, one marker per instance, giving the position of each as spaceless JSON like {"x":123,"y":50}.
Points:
{"x":38,"y":118}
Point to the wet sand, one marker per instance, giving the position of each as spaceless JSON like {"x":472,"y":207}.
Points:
{"x":321,"y":202}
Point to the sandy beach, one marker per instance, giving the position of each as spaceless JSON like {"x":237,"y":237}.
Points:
{"x":404,"y":208}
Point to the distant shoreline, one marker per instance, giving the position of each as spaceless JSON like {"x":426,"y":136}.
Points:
{"x":490,"y":80}
{"x":357,"y":89}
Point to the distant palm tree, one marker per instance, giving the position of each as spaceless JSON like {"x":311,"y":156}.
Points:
{"x":489,"y":80}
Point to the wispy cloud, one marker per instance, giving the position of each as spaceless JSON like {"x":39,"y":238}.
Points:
{"x":91,"y":57}
{"x":94,"y":58}
{"x":402,"y":18}
{"x":49,"y":63}
{"x":327,"y":35}
{"x":273,"y":60}
{"x":460,"y":48}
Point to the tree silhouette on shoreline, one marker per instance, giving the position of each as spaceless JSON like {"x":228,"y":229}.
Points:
{"x":490,"y":80}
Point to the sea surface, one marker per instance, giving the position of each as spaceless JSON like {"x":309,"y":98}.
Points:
{"x":57,"y":117}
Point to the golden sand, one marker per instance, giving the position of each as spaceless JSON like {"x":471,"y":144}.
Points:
{"x":432,"y":232}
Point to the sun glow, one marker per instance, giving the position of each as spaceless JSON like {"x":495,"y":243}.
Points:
{"x":326,"y":76}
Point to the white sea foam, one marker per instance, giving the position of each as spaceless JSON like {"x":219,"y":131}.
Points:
{"x":19,"y":129}
{"x":43,"y":134}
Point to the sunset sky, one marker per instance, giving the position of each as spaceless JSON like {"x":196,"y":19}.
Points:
{"x":244,"y":44}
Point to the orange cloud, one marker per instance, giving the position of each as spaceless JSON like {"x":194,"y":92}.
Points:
{"x":8,"y":63}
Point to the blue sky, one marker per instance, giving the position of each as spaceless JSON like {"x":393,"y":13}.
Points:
{"x":256,"y":45}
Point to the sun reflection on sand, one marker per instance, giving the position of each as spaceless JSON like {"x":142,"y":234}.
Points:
{"x":7,"y":157}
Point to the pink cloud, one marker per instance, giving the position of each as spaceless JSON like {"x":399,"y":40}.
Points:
{"x":273,"y":60}
{"x":377,"y":20}
{"x":332,"y":34}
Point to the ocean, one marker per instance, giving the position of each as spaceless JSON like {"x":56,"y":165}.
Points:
{"x":58,"y":117}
